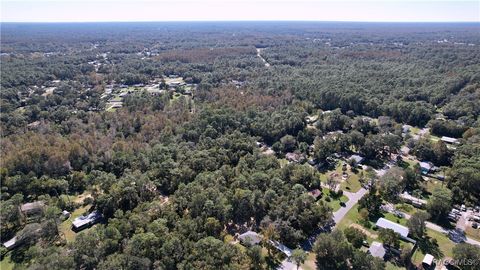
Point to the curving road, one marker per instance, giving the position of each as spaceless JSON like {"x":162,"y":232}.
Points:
{"x":353,"y":198}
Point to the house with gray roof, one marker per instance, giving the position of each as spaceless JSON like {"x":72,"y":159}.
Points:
{"x":387,"y":224}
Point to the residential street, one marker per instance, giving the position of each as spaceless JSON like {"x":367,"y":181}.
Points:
{"x":440,"y":229}
{"x":353,"y":198}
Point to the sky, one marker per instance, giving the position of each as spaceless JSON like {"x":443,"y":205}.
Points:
{"x":239,"y":10}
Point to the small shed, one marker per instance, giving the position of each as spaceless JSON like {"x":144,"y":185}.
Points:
{"x":427,"y":262}
{"x":377,"y":250}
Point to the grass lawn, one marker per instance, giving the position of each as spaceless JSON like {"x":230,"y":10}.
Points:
{"x":392,"y":217}
{"x":116,"y":99}
{"x":414,"y":130}
{"x":473,"y":233}
{"x":352,"y":216}
{"x":309,"y":262}
{"x":406,"y":208}
{"x":434,"y":138}
{"x":6,"y":264}
{"x":353,"y":184}
{"x":391,"y":266}
{"x":66,"y":226}
{"x":432,"y":183}
{"x":444,"y":245}
{"x":333,"y":203}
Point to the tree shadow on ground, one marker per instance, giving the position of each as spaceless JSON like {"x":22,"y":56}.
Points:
{"x":429,"y":245}
{"x":273,"y":262}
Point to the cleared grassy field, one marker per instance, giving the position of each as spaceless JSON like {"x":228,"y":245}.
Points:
{"x":65,"y":227}
{"x":442,"y":249}
{"x":392,"y":217}
{"x":6,"y":264}
{"x":473,"y":233}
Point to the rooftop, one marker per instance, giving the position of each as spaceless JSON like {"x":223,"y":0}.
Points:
{"x":426,"y":165}
{"x":250,"y":238}
{"x":428,"y":260}
{"x":387,"y":224}
{"x":377,"y":250}
{"x":84,"y":220}
{"x":32,"y":206}
{"x":449,"y":139}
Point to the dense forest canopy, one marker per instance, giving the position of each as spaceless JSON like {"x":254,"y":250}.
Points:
{"x":158,"y":126}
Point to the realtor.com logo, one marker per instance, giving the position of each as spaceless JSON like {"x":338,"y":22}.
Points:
{"x":461,"y":262}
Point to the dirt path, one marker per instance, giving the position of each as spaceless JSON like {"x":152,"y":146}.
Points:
{"x":359,"y":227}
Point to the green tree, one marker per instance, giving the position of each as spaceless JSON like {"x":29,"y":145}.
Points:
{"x":440,"y":202}
{"x":468,"y":254}
{"x":298,"y":256}
{"x":355,"y":236}
{"x":416,"y":224}
{"x":332,"y":251}
{"x":391,"y":184}
{"x":389,"y":237}
{"x":255,"y":254}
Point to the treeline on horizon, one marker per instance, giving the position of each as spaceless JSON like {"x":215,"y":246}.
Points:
{"x":207,"y":163}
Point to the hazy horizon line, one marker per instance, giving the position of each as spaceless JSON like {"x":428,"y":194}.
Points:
{"x":206,"y":21}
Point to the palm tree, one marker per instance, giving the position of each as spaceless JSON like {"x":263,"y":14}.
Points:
{"x":269,"y":234}
{"x":298,"y":256}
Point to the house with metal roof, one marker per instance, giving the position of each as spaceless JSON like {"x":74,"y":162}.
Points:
{"x":83,"y":222}
{"x":387,"y":224}
{"x":449,"y":140}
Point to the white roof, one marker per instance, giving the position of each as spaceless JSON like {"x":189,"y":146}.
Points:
{"x":409,"y":197}
{"x":425,"y":165}
{"x":449,"y":139}
{"x":357,"y":158}
{"x":10,"y":243}
{"x":282,"y":248}
{"x":387,"y":224}
{"x":428,"y":259}
{"x":84,"y":220}
{"x":377,"y":250}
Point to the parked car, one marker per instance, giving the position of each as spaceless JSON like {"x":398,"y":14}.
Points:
{"x":463,"y":208}
{"x":474,"y":225}
{"x":398,"y":214}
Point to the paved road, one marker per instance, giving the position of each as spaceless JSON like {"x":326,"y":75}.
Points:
{"x":353,"y":198}
{"x":440,"y":229}
{"x":287,"y":265}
